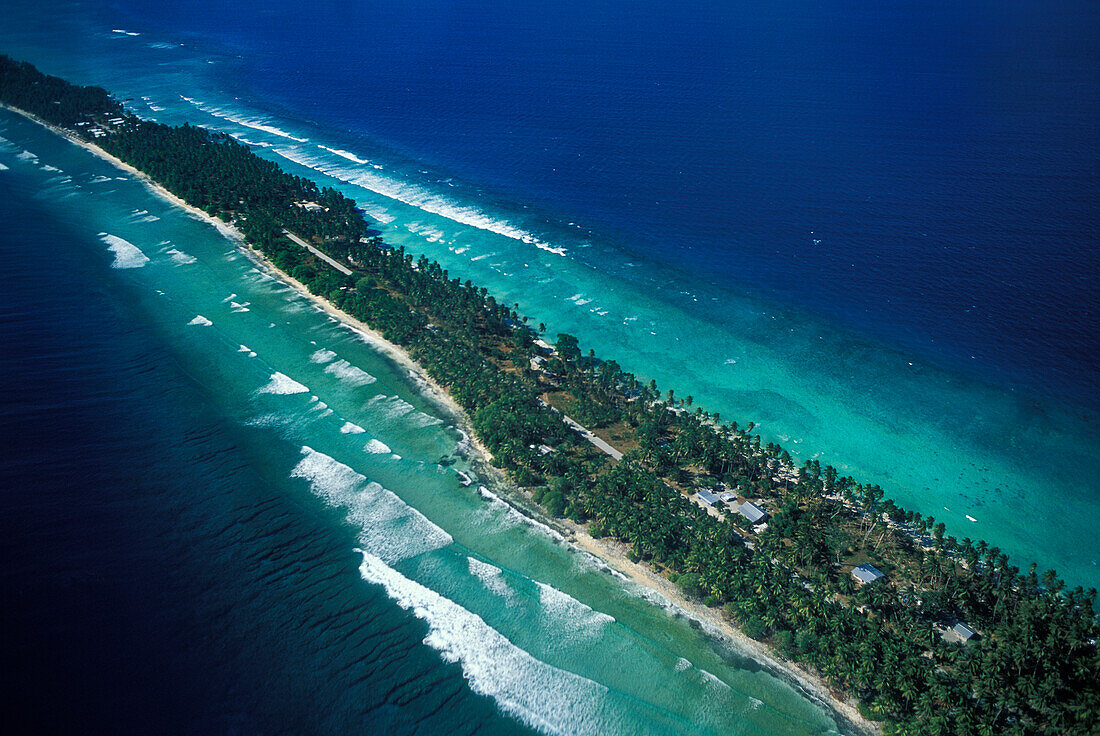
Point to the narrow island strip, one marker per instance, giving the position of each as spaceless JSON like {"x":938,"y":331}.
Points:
{"x":869,"y":608}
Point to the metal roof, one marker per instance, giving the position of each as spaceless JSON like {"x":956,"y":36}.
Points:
{"x":707,"y":497}
{"x":867,"y":573}
{"x":751,"y":511}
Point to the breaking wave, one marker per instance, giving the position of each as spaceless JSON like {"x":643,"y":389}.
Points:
{"x":127,"y":255}
{"x":416,"y":196}
{"x":388,"y":527}
{"x":542,"y":696}
{"x":283,"y":384}
{"x":349,"y":373}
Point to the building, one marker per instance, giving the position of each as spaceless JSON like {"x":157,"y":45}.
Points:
{"x":752,"y":512}
{"x":866,"y":574}
{"x":960,"y":632}
{"x":536,"y":363}
{"x":728,"y":497}
{"x":707,"y":497}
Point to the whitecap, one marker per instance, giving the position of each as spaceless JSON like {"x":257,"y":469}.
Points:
{"x":350,"y":374}
{"x":388,"y":527}
{"x":178,"y":256}
{"x":344,"y":154}
{"x":491,"y":576}
{"x":377,"y":447}
{"x":568,"y":610}
{"x":127,"y":255}
{"x":350,"y":428}
{"x":514,"y":516}
{"x":253,"y":123}
{"x":200,"y":321}
{"x":713,"y":680}
{"x":246,"y":349}
{"x":322,"y":356}
{"x":28,"y":156}
{"x":416,"y":196}
{"x":282,"y":384}
{"x":542,"y":696}
{"x":390,"y":407}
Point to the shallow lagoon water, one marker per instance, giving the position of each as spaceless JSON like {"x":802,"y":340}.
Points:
{"x":950,"y":367}
{"x":190,"y":500}
{"x":986,"y":412}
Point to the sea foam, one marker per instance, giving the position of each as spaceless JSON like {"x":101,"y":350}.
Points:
{"x":349,"y":373}
{"x":282,"y":384}
{"x":253,"y":123}
{"x":569,"y":611}
{"x":178,"y":256}
{"x":388,"y":527}
{"x":515,"y":517}
{"x":127,"y":255}
{"x":322,"y":356}
{"x":542,"y":696}
{"x":200,"y":321}
{"x":491,"y":576}
{"x":376,"y":447}
{"x":416,"y":196}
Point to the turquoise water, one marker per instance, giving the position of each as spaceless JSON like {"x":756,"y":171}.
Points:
{"x":944,"y":427}
{"x":305,"y":483}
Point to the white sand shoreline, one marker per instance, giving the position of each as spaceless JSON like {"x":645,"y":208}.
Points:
{"x":610,"y":552}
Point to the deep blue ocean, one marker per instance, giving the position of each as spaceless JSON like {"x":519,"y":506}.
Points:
{"x":158,"y":581}
{"x":871,"y":229}
{"x":923,"y":171}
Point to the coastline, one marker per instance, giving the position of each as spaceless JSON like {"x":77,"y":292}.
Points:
{"x":606,"y":550}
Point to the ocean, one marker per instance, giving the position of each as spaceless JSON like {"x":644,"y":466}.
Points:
{"x":871,"y":231}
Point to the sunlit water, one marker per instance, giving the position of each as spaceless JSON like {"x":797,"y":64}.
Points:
{"x":213,"y":480}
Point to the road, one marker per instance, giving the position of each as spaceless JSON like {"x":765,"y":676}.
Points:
{"x":335,"y":264}
{"x":593,"y":438}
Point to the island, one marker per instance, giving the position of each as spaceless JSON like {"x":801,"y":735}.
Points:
{"x":919,"y":632}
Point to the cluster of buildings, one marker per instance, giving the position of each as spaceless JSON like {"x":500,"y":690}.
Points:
{"x":753,"y":513}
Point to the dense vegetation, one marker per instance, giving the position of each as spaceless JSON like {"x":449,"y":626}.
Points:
{"x":1032,"y":670}
{"x":51,"y":98}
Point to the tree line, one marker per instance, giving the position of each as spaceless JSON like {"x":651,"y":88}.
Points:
{"x":1033,"y":670}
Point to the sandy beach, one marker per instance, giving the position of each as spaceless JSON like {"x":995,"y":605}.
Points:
{"x":610,"y":552}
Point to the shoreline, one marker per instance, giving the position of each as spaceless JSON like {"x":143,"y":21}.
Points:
{"x":608,"y":551}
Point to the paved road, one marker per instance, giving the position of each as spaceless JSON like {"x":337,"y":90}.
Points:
{"x":593,"y":439}
{"x":335,"y":264}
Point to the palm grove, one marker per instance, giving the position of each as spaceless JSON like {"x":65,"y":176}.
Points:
{"x":1033,"y":670}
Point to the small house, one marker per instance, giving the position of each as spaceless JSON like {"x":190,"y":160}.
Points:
{"x":728,"y":497}
{"x":960,"y":632}
{"x":536,"y":363}
{"x":865,"y":574}
{"x":706,"y":497}
{"x":752,"y":512}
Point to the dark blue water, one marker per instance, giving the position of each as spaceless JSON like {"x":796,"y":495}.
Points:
{"x":159,"y":575}
{"x":927,"y":173}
